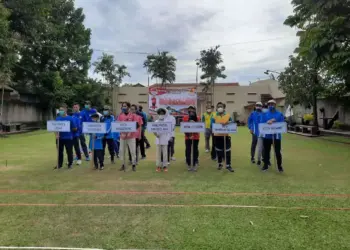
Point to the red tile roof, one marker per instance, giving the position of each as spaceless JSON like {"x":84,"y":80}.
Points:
{"x":194,"y":84}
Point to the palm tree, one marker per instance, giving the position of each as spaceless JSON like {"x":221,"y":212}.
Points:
{"x":162,"y":66}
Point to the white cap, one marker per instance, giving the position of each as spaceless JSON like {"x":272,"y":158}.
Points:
{"x":258,"y":103}
{"x":272,"y":101}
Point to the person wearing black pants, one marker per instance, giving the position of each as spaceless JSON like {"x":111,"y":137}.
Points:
{"x":82,"y":140}
{"x":110,"y":144}
{"x":142,"y":144}
{"x":213,"y":151}
{"x":68,"y":144}
{"x":192,"y":144}
{"x":219,"y":142}
{"x":267,"y":149}
{"x":99,"y":158}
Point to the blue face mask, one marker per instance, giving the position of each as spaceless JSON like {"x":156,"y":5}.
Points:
{"x":271,"y":108}
{"x":87,"y":106}
{"x":105,"y":112}
{"x":61,"y":113}
{"x":124,"y":110}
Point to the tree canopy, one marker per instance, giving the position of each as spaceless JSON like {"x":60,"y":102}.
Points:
{"x":162,"y":66}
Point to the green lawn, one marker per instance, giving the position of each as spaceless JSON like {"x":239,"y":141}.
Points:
{"x":289,"y":221}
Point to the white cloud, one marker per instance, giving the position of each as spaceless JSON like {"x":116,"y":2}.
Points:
{"x":185,"y":27}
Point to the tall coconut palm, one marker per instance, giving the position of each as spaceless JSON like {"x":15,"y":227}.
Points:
{"x":162,"y":66}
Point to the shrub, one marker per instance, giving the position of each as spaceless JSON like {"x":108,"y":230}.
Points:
{"x":339,"y":125}
{"x":308,"y":117}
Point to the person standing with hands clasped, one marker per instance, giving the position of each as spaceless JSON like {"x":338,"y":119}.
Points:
{"x":271,"y":117}
{"x":191,"y":141}
{"x":253,"y":125}
{"x":65,"y":139}
{"x":222,"y":141}
{"x":206,"y":118}
{"x":162,"y":140}
{"x":108,"y":118}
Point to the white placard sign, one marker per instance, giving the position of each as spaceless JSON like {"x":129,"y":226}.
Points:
{"x":58,"y":126}
{"x":230,"y":128}
{"x":94,"y":128}
{"x":159,"y":127}
{"x":274,"y":128}
{"x":192,"y":127}
{"x":124,"y":127}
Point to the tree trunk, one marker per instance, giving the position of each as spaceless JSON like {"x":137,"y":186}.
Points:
{"x":314,"y":109}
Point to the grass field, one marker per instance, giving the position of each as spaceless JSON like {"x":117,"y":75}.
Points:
{"x":307,"y":207}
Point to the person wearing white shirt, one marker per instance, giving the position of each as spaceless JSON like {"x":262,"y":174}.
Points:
{"x":162,"y":140}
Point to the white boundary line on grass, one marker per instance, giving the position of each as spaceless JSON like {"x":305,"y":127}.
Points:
{"x":57,"y":248}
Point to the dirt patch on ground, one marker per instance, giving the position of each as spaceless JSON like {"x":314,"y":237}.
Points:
{"x":3,"y":167}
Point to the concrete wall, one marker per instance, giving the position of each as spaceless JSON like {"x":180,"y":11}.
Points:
{"x":21,"y":113}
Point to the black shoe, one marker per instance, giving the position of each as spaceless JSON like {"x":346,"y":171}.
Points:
{"x":259,"y":163}
{"x":112,"y":162}
{"x":57,"y":167}
{"x":213,"y":159}
{"x":148,"y":146}
{"x":230,"y":169}
{"x":280,"y":169}
{"x":96,"y":167}
{"x":134,"y":168}
{"x":117,"y":155}
{"x":122,"y":168}
{"x":265,"y":168}
{"x":70,"y":167}
{"x":143,"y":157}
{"x":269,"y":164}
{"x":102,"y":167}
{"x":253,"y":161}
{"x":220,"y":166}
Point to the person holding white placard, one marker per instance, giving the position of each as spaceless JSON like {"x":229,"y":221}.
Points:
{"x":162,"y":140}
{"x":77,"y":114}
{"x":128,"y":139}
{"x":192,"y":141}
{"x":253,"y":126}
{"x":108,"y":118}
{"x":270,"y":117}
{"x":96,"y":145}
{"x":222,"y":141}
{"x":65,"y":139}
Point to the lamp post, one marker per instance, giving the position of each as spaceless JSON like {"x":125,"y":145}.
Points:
{"x":197,"y":63}
{"x":270,"y":73}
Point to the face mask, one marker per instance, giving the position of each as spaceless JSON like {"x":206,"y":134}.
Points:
{"x":258,"y":109}
{"x":161,"y":117}
{"x":105,"y":112}
{"x":220,"y":110}
{"x":208,"y":110}
{"x":271,"y":108}
{"x":61,"y":113}
{"x":264,"y":110}
{"x":87,"y":106}
{"x":124,"y":110}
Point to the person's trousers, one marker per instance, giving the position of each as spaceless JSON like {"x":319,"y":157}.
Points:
{"x":213,"y":150}
{"x":83,"y":145}
{"x":110,"y":143}
{"x":207,"y":135}
{"x":256,"y":141}
{"x":77,"y":147}
{"x":116,"y":147}
{"x":191,"y":150}
{"x":68,"y":144}
{"x":267,"y":148}
{"x":124,"y":145}
{"x":162,"y":155}
{"x":142,"y":144}
{"x":99,"y":157}
{"x":146,"y":142}
{"x":171,"y":147}
{"x":137,"y":143}
{"x":223,"y":149}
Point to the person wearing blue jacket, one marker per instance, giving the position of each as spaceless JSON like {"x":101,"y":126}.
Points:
{"x":253,"y":125}
{"x":78,"y":114}
{"x":116,"y":139}
{"x":270,"y":117}
{"x":87,"y":112}
{"x":143,"y":129}
{"x":65,"y":139}
{"x":76,"y":135}
{"x":108,"y":138}
{"x":98,"y":145}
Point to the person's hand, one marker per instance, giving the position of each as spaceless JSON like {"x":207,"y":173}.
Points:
{"x":94,"y":136}
{"x":57,"y":136}
{"x":171,"y":139}
{"x":251,"y":131}
{"x":270,"y":122}
{"x":191,"y":121}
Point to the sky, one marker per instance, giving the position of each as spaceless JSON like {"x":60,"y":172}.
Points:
{"x":250,"y":32}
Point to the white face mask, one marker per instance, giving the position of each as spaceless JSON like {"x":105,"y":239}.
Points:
{"x":264,"y":110}
{"x":220,"y":110}
{"x":161,"y":117}
{"x":208,"y":110}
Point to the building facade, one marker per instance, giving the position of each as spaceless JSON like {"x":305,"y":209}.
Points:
{"x":239,"y":100}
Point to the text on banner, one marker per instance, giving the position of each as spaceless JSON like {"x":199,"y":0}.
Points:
{"x":274,"y":128}
{"x":192,"y":127}
{"x":230,"y":128}
{"x":58,"y":126}
{"x":94,"y":128}
{"x":124,"y":127}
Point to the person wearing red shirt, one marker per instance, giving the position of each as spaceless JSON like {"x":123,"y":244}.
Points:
{"x":191,"y":140}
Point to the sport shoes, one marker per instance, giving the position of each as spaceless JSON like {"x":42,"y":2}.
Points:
{"x":230,"y":169}
{"x":70,"y":167}
{"x":220,"y":166}
{"x":173,"y":158}
{"x":158,"y":169}
{"x":165,"y":169}
{"x":87,"y":158}
{"x":134,"y":168}
{"x":207,"y":150}
{"x":96,"y":167}
{"x":189,"y":168}
{"x":78,"y":162}
{"x":259,"y":163}
{"x":280,"y":169}
{"x":102,"y":167}
{"x":253,"y":161}
{"x":265,"y":168}
{"x":122,"y":168}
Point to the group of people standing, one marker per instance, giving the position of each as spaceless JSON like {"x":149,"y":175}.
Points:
{"x":136,"y":142}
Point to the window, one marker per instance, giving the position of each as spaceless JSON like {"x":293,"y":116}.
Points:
{"x":250,"y":102}
{"x":251,"y":93}
{"x":230,"y":93}
{"x":230,"y":102}
{"x":143,"y":94}
{"x":142,"y":102}
{"x":121,"y":94}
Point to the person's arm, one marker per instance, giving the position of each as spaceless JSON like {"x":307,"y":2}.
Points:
{"x":280,"y":118}
{"x":250,"y":121}
{"x":212,"y":121}
{"x":203,"y":118}
{"x":136,"y":120}
{"x":73,"y":125}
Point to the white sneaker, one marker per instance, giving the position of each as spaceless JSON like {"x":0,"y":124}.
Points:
{"x":173,"y":158}
{"x":78,"y":162}
{"x":207,"y":151}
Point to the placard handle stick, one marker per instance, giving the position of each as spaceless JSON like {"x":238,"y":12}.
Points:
{"x":224,"y":150}
{"x":92,"y":150}
{"x":57,"y":136}
{"x":274,"y":150}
